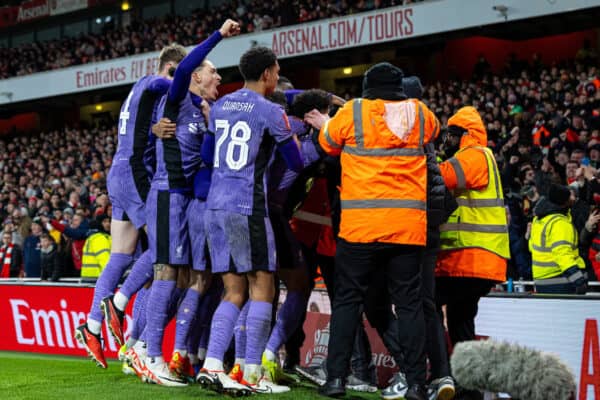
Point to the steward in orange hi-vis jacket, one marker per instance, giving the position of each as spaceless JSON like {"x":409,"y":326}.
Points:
{"x":475,"y":245}
{"x":383,"y":230}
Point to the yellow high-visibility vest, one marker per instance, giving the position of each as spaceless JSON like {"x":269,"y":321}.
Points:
{"x":553,"y":245}
{"x":480,"y":219}
{"x":96,"y":252}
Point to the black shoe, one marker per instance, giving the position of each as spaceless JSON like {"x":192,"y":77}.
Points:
{"x":416,"y":392}
{"x":333,"y":388}
{"x":290,"y":363}
{"x":464,"y":394}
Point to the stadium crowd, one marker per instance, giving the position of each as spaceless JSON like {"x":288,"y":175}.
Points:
{"x":146,"y":35}
{"x":53,"y":186}
{"x":543,"y":124}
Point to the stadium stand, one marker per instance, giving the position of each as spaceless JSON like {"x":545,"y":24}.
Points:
{"x":142,"y":36}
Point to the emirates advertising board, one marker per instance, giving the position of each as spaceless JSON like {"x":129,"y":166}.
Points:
{"x":41,"y":319}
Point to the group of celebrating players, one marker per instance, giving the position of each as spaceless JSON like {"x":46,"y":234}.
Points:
{"x":207,"y":181}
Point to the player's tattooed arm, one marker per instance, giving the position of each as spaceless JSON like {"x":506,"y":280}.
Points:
{"x":164,"y":128}
{"x":159,"y":270}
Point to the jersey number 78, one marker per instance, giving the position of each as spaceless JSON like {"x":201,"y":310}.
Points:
{"x":236,"y":136}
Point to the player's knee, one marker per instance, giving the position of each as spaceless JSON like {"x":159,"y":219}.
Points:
{"x":183,"y":277}
{"x":164,"y":272}
{"x":198,"y":281}
{"x":235,"y":298}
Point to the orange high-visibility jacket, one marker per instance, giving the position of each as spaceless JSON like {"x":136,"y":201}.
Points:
{"x":473,"y":173}
{"x":384,"y":172}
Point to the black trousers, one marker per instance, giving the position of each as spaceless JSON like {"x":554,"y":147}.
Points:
{"x":361,"y":360}
{"x":356,"y":266}
{"x":382,"y":319}
{"x":461,"y":297}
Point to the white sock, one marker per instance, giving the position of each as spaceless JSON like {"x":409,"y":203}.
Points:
{"x":120,"y":301}
{"x":94,"y":326}
{"x":201,"y":354}
{"x":241,"y":362}
{"x":130,"y":343}
{"x":212,"y":364}
{"x":194,"y":360}
{"x":270,"y":355}
{"x":252,"y":373}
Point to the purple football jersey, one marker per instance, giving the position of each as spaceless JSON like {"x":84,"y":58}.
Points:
{"x":137,"y":115}
{"x":281,"y":178}
{"x":246,"y":128}
{"x":178,"y":159}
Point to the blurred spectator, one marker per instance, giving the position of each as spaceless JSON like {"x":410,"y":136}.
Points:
{"x":51,"y":262}
{"x":75,"y":233}
{"x":9,"y":228}
{"x":96,"y":249}
{"x":31,"y":250}
{"x":10,"y":257}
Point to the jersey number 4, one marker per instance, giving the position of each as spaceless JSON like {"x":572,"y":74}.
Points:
{"x":124,"y":115}
{"x":238,"y":135}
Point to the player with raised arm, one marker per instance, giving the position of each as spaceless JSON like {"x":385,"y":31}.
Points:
{"x":128,"y":183}
{"x":172,"y":188}
{"x":246,"y":128}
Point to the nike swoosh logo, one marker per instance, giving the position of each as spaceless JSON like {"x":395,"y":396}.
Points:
{"x":195,"y":115}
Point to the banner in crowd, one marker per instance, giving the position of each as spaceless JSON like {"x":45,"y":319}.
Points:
{"x":384,"y":25}
{"x":34,"y":9}
{"x":66,"y":6}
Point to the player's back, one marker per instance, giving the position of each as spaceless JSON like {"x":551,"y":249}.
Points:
{"x":246,"y":127}
{"x":135,"y":120}
{"x":178,"y":158}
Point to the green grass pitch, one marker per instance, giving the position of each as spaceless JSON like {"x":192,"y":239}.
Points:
{"x":25,"y":376}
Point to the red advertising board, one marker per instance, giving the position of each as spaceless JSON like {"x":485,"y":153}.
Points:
{"x":41,"y":319}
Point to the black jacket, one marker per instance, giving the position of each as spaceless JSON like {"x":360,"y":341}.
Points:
{"x":546,"y":207}
{"x":440,"y":202}
{"x":50,"y":264}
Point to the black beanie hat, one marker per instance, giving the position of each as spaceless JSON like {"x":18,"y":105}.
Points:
{"x":413,"y":87}
{"x":383,"y":81}
{"x":559,"y":195}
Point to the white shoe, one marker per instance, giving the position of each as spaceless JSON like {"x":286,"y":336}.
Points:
{"x":264,"y":385}
{"x":136,"y":361}
{"x":220,"y":382}
{"x":159,"y":373}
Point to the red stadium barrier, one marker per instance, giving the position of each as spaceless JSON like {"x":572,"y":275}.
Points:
{"x":41,"y":319}
{"x":315,"y":347}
